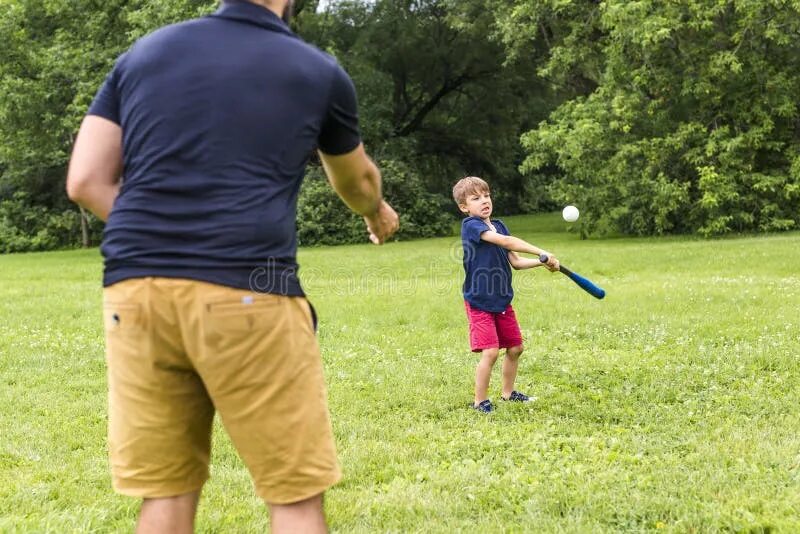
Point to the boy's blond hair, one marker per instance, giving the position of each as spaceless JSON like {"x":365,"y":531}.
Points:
{"x":467,"y":186}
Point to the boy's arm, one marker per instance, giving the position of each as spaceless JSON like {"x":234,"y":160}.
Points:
{"x":509,"y":242}
{"x":522,"y":263}
{"x":515,"y":244}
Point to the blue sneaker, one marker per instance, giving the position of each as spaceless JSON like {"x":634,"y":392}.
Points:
{"x":516,"y":396}
{"x":484,"y":406}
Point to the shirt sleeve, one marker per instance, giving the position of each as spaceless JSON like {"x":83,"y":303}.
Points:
{"x":501,"y":227}
{"x":106,"y":101}
{"x":472,"y":230}
{"x":339,"y":133}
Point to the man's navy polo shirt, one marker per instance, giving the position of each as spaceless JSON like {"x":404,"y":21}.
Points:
{"x":219,"y":116}
{"x":487,"y":285}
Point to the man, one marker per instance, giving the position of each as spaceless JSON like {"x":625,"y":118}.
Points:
{"x":211,"y":123}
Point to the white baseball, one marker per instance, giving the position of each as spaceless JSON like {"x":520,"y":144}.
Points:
{"x":570,"y":213}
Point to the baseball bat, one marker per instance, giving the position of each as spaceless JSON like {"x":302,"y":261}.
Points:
{"x":583,"y":283}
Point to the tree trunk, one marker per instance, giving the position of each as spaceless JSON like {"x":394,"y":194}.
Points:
{"x":84,"y":228}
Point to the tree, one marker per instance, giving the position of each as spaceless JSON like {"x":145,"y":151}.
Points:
{"x":54,"y":57}
{"x":436,"y":90}
{"x":687,"y":120}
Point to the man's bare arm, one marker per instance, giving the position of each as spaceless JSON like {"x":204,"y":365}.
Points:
{"x":357,"y":180}
{"x":95,"y":168}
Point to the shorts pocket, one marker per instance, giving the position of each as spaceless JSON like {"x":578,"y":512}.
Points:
{"x":122,"y":318}
{"x":311,"y":316}
{"x":227,"y":323}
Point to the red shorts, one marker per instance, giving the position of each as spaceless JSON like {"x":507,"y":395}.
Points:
{"x":489,"y":330}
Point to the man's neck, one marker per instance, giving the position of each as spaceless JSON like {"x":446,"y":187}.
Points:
{"x":271,"y":5}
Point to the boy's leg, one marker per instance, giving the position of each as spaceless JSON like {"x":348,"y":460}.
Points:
{"x":483,"y":373}
{"x":510,"y":338}
{"x":510,"y":366}
{"x":483,"y":339}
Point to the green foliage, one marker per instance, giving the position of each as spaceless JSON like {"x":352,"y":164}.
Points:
{"x":691,"y":125}
{"x":653,"y":117}
{"x":54,"y":57}
{"x":323,"y":219}
{"x":25,"y":227}
{"x":435,"y":88}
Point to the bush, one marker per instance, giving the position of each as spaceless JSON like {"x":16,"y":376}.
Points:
{"x":323,"y":219}
{"x":27,"y":228}
{"x":681,"y":181}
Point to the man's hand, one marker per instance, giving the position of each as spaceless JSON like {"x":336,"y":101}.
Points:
{"x":382,"y":224}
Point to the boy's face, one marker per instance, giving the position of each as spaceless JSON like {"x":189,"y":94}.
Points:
{"x":478,"y":204}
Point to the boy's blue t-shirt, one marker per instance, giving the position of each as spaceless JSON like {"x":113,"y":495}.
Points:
{"x":487,"y":285}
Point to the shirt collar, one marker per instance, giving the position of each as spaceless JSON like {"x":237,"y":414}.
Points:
{"x":248,"y":12}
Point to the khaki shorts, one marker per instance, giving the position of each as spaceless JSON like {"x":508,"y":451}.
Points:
{"x":178,"y":350}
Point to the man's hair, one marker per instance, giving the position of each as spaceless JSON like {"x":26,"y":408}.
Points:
{"x":468,"y":186}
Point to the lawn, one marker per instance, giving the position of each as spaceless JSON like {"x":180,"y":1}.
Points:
{"x":670,"y":406}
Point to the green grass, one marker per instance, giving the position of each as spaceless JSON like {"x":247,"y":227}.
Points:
{"x":670,"y":406}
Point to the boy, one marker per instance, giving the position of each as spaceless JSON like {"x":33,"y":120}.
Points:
{"x":489,"y":249}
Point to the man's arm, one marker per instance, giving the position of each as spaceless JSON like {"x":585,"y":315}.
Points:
{"x":95,"y":168}
{"x":357,"y":180}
